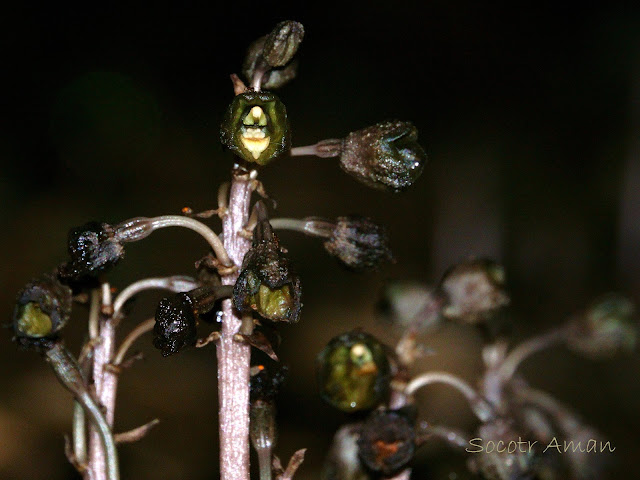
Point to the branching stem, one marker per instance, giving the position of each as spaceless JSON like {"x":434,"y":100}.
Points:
{"x":482,"y":409}
{"x":526,"y":349}
{"x":68,"y":373}
{"x":176,"y":283}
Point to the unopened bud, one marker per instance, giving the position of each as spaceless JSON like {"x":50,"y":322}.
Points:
{"x":474,"y":290}
{"x":411,"y":305}
{"x":359,"y":243}
{"x":176,"y":324}
{"x":177,"y":317}
{"x":386,"y":156}
{"x":93,"y":249}
{"x":282,"y":43}
{"x":608,"y":327}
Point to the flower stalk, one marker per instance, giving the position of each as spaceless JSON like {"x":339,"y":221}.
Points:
{"x":234,"y":356}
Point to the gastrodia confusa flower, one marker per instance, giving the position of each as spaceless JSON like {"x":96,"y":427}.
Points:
{"x":353,"y":372}
{"x":267,"y":283}
{"x":42,"y":309}
{"x":256,"y":127}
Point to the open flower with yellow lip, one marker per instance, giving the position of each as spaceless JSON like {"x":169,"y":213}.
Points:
{"x":42,"y":309}
{"x":267,"y":284}
{"x":354,"y":372}
{"x":256,"y":127}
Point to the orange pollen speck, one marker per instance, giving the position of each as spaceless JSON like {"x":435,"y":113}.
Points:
{"x":384,"y":450}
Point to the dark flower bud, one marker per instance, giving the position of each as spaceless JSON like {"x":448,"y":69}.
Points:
{"x":269,"y":62}
{"x":177,"y":317}
{"x":358,"y":243}
{"x":42,"y":309}
{"x":474,"y":290}
{"x":387,"y":442}
{"x":94,"y":249}
{"x":265,"y":383}
{"x":176,"y":324}
{"x":354,"y":372}
{"x":607,"y":327}
{"x":273,"y":78}
{"x":267,"y":284}
{"x":282,"y":43}
{"x":386,"y":156}
{"x":256,"y":128}
{"x":507,"y":463}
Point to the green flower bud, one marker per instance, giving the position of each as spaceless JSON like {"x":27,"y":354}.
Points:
{"x":359,"y":243}
{"x":354,"y":372}
{"x":474,"y":290}
{"x":387,"y":442}
{"x":385,"y":156}
{"x":609,"y":326}
{"x":42,"y":309}
{"x":267,"y":284}
{"x":256,"y":127}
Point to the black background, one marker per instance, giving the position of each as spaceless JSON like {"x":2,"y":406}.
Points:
{"x":529,"y":114}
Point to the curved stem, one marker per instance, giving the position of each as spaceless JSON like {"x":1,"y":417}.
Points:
{"x":68,"y":372}
{"x":165,"y":221}
{"x":526,"y":349}
{"x":176,"y":283}
{"x":79,"y":433}
{"x":481,"y":408}
{"x":136,"y":229}
{"x":133,"y":335}
{"x":454,"y":438}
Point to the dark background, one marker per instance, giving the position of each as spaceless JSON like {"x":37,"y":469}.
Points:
{"x":529,"y":113}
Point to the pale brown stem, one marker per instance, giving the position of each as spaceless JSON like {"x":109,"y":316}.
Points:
{"x":105,"y":383}
{"x":137,"y":332}
{"x":528,"y":348}
{"x":233,"y":356}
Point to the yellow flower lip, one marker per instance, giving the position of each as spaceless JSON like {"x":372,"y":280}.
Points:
{"x":254,"y":143}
